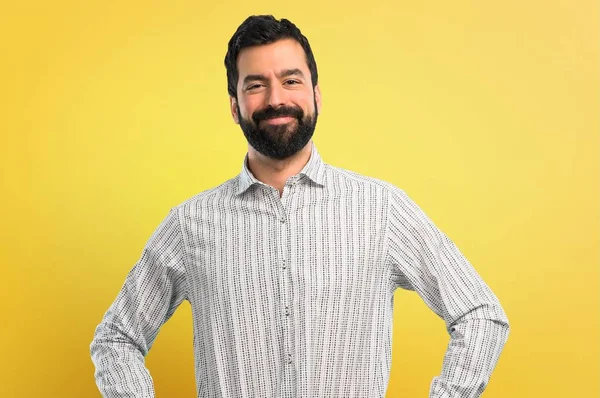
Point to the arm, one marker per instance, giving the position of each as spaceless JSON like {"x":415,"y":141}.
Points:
{"x":152,"y":291}
{"x":425,"y":260}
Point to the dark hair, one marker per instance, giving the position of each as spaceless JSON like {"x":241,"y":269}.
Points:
{"x":259,"y":30}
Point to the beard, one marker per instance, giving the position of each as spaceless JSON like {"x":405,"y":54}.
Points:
{"x":279,"y":141}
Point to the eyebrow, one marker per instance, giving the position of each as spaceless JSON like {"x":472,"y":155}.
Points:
{"x":283,"y":73}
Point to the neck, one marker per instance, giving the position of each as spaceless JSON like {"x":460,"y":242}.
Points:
{"x":275,"y":172}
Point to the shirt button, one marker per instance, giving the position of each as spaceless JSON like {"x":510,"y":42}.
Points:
{"x":283,"y":264}
{"x":287,"y":310}
{"x":289,"y":360}
{"x":282,"y":220}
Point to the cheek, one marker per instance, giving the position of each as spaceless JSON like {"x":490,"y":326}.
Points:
{"x":247,"y":107}
{"x":303,"y":100}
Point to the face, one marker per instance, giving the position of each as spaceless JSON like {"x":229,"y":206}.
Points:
{"x":277,"y":107}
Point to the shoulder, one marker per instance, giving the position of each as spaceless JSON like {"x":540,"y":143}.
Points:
{"x":343,"y":181}
{"x":220,"y":192}
{"x":340,"y":177}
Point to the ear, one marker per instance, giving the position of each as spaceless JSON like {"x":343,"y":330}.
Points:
{"x":234,"y":110}
{"x":318,"y":97}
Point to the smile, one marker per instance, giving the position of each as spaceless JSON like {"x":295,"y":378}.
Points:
{"x":279,"y":120}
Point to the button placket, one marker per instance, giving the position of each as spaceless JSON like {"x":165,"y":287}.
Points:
{"x":286,"y":309}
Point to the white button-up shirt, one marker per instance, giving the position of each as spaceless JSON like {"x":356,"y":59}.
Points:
{"x":292,"y":296}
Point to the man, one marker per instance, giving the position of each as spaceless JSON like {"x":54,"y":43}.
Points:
{"x":290,"y":267}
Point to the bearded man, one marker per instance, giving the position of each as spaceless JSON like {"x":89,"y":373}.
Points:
{"x":290,"y":267}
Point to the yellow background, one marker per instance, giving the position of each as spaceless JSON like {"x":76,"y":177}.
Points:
{"x":485,"y":113}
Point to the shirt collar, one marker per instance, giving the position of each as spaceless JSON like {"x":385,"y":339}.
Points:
{"x":314,"y":169}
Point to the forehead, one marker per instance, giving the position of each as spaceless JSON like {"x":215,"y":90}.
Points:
{"x":273,"y":57}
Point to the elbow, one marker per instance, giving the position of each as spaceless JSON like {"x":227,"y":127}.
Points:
{"x":491,"y":312}
{"x":109,"y":337}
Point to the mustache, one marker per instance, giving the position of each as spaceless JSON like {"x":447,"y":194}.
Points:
{"x":270,"y":112}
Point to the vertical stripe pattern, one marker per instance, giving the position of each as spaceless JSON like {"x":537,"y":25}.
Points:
{"x":292,"y":296}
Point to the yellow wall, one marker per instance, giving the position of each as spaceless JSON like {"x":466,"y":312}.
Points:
{"x":485,"y":113}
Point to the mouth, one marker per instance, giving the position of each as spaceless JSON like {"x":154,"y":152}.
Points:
{"x":279,"y":120}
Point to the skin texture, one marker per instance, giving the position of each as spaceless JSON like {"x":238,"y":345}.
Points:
{"x":275,"y":89}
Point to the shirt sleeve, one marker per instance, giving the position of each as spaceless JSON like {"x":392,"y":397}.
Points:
{"x":424,"y":259}
{"x":152,"y":291}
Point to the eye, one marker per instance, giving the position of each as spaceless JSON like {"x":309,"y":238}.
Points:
{"x":292,"y":82}
{"x":253,"y":86}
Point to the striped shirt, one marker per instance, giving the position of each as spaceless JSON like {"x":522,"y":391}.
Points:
{"x":292,"y":296}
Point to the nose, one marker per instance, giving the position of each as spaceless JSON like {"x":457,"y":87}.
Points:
{"x":276,"y":96}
